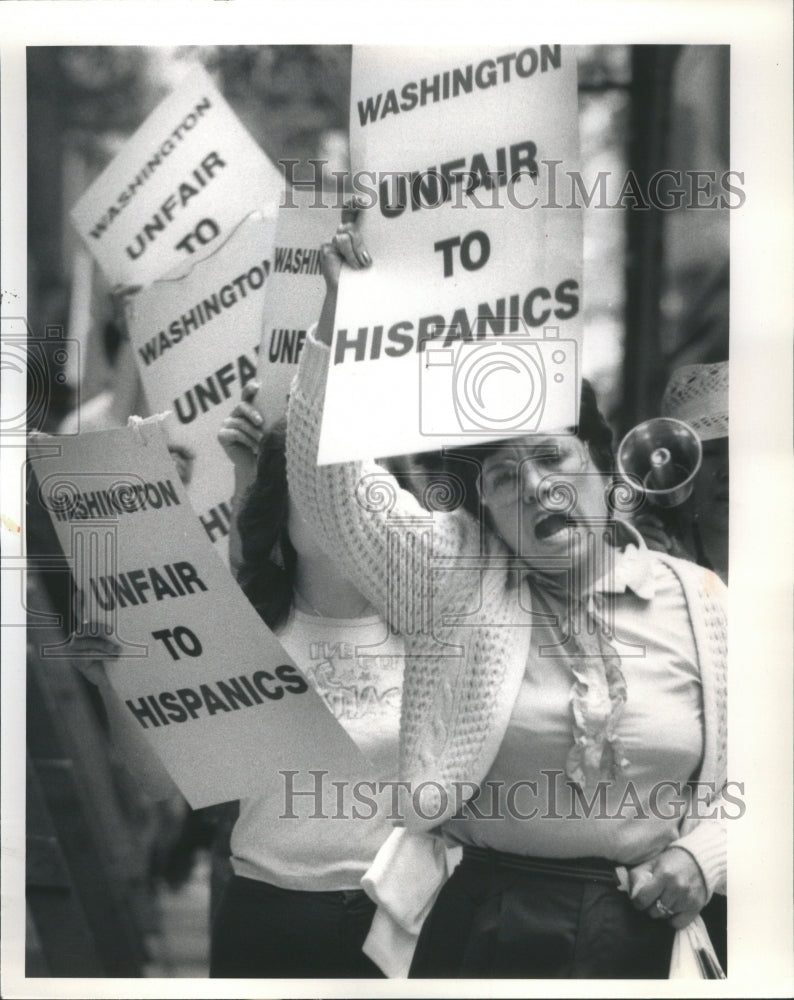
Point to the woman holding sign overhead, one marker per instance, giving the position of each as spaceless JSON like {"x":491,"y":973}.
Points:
{"x":569,"y":688}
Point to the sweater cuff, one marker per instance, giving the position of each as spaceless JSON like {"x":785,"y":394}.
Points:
{"x":313,"y":369}
{"x":707,"y":845}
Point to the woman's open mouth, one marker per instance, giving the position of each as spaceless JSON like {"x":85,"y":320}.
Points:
{"x":551,"y":525}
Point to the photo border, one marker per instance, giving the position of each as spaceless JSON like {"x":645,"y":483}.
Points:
{"x":760,"y":645}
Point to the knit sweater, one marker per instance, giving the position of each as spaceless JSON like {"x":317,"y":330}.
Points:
{"x":464,"y":667}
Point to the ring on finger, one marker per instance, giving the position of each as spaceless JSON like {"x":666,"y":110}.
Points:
{"x":665,"y":911}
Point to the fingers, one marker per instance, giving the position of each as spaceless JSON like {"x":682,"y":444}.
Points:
{"x":352,"y":209}
{"x":643,"y":889}
{"x":93,"y":648}
{"x":89,"y":650}
{"x":684,"y":880}
{"x":181,"y":451}
{"x":120,"y":296}
{"x":650,"y":895}
{"x":250,"y":415}
{"x":239,"y":430}
{"x":93,"y":639}
{"x":346,"y":247}
{"x":244,"y":426}
{"x":124,"y":291}
{"x":669,"y":886}
{"x":250,"y":390}
{"x":349,"y":244}
{"x":662,"y":909}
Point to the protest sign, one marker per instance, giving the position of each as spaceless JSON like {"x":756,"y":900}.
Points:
{"x":195,"y":339}
{"x":179,"y":185}
{"x":203,"y":679}
{"x":467,"y":326}
{"x":295,"y":292}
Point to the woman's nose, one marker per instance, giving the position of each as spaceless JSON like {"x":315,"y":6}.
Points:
{"x":531,"y":478}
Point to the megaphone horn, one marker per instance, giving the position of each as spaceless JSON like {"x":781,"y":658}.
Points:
{"x":664,"y":455}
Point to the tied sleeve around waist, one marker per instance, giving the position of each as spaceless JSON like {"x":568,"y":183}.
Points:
{"x":404,"y":880}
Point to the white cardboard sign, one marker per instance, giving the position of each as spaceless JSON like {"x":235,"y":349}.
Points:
{"x":173,"y":193}
{"x":467,"y":326}
{"x":195,"y":340}
{"x":206,"y":681}
{"x":295,"y":293}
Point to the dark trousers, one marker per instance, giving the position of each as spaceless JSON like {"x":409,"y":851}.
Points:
{"x":261,"y":931}
{"x":490,"y":922}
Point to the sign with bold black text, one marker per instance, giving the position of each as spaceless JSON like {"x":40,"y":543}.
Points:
{"x":177,"y":188}
{"x":467,"y":325}
{"x":196,"y":339}
{"x":202,"y":677}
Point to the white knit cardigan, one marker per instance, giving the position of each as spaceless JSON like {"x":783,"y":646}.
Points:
{"x":457,"y":700}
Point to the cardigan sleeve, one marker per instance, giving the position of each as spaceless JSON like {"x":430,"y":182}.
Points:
{"x":354,"y":506}
{"x":704,"y":832}
{"x":707,"y":843}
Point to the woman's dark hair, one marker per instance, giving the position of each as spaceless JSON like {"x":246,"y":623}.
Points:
{"x":595,"y":431}
{"x":592,"y":429}
{"x":269,"y":561}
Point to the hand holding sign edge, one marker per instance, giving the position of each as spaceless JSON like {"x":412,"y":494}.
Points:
{"x":347,"y":247}
{"x":241,"y":432}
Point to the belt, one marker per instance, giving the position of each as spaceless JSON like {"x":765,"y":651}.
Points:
{"x":259,"y":886}
{"x":581,"y":869}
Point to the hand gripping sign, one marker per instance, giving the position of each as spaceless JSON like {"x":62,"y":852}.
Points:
{"x":176,"y":189}
{"x":195,"y":339}
{"x":202,"y":678}
{"x":467,"y":326}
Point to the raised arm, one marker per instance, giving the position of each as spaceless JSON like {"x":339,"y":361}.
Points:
{"x":353,"y":505}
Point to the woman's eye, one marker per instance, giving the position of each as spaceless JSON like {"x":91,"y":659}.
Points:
{"x":499,"y":478}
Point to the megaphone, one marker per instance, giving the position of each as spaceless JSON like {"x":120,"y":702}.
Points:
{"x":665,"y":455}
